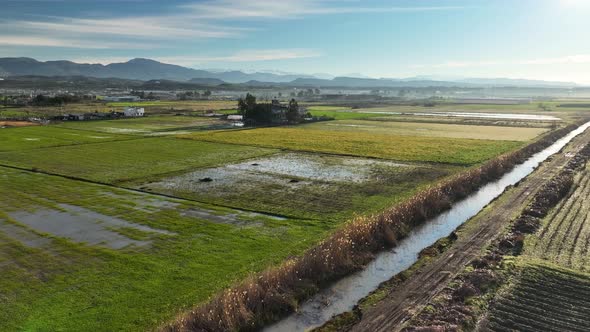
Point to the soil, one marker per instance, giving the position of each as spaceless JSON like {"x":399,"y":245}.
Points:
{"x":405,"y":301}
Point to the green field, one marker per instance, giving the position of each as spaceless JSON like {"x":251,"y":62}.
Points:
{"x":98,"y":257}
{"x":25,"y":138}
{"x":151,"y":125}
{"x":54,"y":283}
{"x":130,"y":160}
{"x":396,"y":147}
{"x":430,"y":129}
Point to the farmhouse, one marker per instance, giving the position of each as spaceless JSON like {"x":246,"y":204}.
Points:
{"x":133,"y":111}
{"x":279,"y":111}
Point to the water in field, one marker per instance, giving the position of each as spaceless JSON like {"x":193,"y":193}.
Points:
{"x":83,"y":225}
{"x":345,"y":293}
{"x":476,"y":115}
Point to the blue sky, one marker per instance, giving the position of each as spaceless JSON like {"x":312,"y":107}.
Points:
{"x":539,"y":39}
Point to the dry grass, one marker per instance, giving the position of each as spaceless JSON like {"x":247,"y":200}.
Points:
{"x":277,"y":291}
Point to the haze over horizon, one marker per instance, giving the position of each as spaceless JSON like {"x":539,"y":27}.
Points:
{"x":525,"y":39}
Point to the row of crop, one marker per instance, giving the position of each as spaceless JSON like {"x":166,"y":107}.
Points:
{"x":564,"y":236}
{"x":541,"y":305}
{"x":450,"y":309}
{"x":276,"y":292}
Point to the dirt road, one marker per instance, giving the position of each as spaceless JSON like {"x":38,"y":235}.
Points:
{"x":413,"y":294}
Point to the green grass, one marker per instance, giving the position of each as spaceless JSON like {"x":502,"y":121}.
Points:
{"x":130,"y":160}
{"x":25,"y":138}
{"x":342,"y":115}
{"x":69,"y":286}
{"x":144,"y":125}
{"x":431,"y":129}
{"x":396,"y":147}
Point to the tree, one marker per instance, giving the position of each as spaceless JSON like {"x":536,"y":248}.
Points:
{"x":207,"y":93}
{"x":280,"y":94}
{"x":317,"y":91}
{"x":247,"y":104}
{"x":293,"y":111}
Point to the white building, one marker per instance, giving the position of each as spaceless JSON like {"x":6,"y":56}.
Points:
{"x":134,"y":111}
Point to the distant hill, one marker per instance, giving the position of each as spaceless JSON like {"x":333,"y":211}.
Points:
{"x":147,"y":70}
{"x":207,"y":81}
{"x":135,"y":69}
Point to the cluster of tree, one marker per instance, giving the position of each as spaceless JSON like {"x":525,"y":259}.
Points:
{"x":60,"y":100}
{"x":306,"y":93}
{"x":253,"y":111}
{"x":263,"y":112}
{"x":190,"y":95}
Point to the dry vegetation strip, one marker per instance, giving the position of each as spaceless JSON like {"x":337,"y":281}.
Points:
{"x":275,"y":292}
{"x":405,"y":148}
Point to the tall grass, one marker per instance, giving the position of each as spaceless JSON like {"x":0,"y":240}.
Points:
{"x":276,"y":292}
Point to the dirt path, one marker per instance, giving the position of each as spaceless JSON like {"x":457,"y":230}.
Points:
{"x":410,"y":296}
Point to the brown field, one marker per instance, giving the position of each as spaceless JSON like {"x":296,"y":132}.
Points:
{"x":17,"y":123}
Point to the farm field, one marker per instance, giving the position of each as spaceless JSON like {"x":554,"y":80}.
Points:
{"x":151,"y":107}
{"x":357,"y":143}
{"x":130,"y":160}
{"x":33,"y":137}
{"x":565,"y":236}
{"x":206,"y":209}
{"x":304,"y":185}
{"x":549,"y":287}
{"x":78,"y":256}
{"x":545,"y":297}
{"x":431,"y":129}
{"x":148,"y":126}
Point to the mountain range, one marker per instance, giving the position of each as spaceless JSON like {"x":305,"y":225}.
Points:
{"x":146,"y":69}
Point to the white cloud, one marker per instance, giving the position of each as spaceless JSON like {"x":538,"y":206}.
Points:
{"x":287,"y":9}
{"x":199,"y":20}
{"x":41,"y":41}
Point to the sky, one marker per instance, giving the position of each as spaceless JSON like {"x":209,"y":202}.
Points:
{"x":535,"y":39}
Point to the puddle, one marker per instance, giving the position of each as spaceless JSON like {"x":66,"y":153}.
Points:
{"x":505,"y":116}
{"x":23,"y":235}
{"x":293,"y":165}
{"x":345,"y":293}
{"x":83,"y":225}
{"x":32,"y":139}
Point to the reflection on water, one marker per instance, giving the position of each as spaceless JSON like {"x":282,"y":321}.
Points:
{"x":344,"y":294}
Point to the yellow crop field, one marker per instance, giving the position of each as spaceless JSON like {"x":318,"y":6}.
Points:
{"x":396,"y":147}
